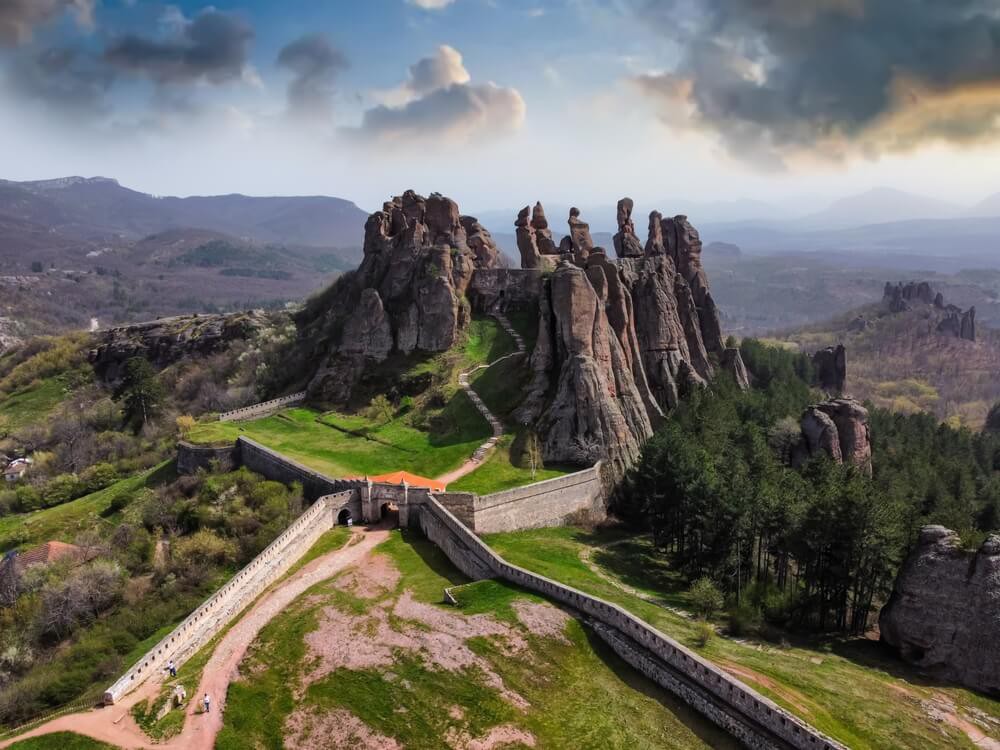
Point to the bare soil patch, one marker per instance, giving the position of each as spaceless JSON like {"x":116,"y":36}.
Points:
{"x":333,"y":730}
{"x":542,"y":619}
{"x":505,"y":735}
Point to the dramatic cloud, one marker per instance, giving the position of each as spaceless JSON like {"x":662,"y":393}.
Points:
{"x":779,"y":78}
{"x":64,"y":79}
{"x":315,"y":63}
{"x":437,"y":102}
{"x":18,"y":18}
{"x":211,"y":47}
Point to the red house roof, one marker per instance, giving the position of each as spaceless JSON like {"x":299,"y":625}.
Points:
{"x":51,"y":552}
{"x":398,"y":477}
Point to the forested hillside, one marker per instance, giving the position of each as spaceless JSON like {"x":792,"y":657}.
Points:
{"x":816,"y":547}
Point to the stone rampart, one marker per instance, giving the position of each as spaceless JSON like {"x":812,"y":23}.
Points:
{"x":262,"y":409}
{"x":508,"y":288}
{"x":274,"y":466}
{"x":218,"y":610}
{"x":191,"y":457}
{"x":547,"y":503}
{"x":757,"y":721}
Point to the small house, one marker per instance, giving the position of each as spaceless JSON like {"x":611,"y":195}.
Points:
{"x":16,"y":469}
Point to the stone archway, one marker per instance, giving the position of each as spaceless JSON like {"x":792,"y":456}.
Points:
{"x":388,"y":513}
{"x":344,"y":517}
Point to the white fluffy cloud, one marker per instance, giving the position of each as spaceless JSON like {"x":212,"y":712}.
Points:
{"x":431,"y":4}
{"x":438,"y":102}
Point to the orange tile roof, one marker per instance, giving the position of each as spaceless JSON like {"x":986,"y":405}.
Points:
{"x":398,"y":477}
{"x":51,"y":552}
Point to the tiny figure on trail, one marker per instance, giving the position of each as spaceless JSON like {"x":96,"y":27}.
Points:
{"x":172,"y":668}
{"x":208,"y":703}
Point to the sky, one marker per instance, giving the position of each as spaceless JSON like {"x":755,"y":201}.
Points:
{"x":499,"y":103}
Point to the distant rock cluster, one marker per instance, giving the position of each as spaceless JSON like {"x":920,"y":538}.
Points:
{"x":952,"y":320}
{"x":944,"y":612}
{"x":839,"y":428}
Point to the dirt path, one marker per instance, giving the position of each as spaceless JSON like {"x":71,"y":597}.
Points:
{"x":115,"y":725}
{"x":496,"y":425}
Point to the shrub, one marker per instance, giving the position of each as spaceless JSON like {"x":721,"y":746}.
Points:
{"x":380,"y":409}
{"x":185,"y":423}
{"x":743,"y":620}
{"x":704,"y":634}
{"x":706,"y":598}
{"x":193,"y":557}
{"x":97,"y":477}
{"x":78,"y":598}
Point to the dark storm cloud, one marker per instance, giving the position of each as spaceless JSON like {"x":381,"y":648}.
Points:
{"x":771,"y":76}
{"x":62,"y":78}
{"x":315,"y":63}
{"x":19,"y":18}
{"x":213,"y":47}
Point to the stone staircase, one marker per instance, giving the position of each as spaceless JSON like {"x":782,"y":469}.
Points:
{"x":463,"y":380}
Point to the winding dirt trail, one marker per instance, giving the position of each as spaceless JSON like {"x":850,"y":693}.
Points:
{"x":496,"y":425}
{"x":115,"y":725}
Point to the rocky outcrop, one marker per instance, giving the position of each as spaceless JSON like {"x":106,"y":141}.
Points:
{"x":627,"y":244}
{"x":951,"y":320}
{"x":839,"y":428}
{"x":732,"y":362}
{"x":944,"y":612}
{"x":408,"y":294}
{"x":169,"y":340}
{"x":830,"y":368}
{"x":534,"y":238}
{"x":620,"y":342}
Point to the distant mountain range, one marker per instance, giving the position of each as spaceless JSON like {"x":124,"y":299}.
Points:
{"x":77,"y":248}
{"x":98,"y":209}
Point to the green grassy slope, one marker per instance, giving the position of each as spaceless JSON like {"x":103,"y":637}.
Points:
{"x":848,"y":688}
{"x":578,"y":693}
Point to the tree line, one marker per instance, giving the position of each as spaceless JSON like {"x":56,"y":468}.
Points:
{"x":816,"y":547}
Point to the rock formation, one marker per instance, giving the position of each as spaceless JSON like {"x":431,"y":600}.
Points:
{"x":169,"y":340}
{"x":534,"y":238}
{"x":951,"y":320}
{"x":620,"y":342}
{"x":944,"y":612}
{"x":839,"y":428}
{"x":830,"y":368}
{"x":408,"y":293}
{"x":732,"y":362}
{"x":627,"y":244}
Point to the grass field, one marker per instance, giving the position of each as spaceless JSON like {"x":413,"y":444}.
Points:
{"x":498,"y":473}
{"x":849,"y":688}
{"x":61,"y":741}
{"x":576,"y":693}
{"x":348,"y":445}
{"x":32,"y":404}
{"x":64,"y":522}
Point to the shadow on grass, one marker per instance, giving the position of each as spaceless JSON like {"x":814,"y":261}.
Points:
{"x":705,"y":730}
{"x":433,"y":557}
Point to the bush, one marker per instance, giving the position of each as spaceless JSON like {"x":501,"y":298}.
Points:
{"x":78,"y":598}
{"x":706,"y":598}
{"x":97,"y":477}
{"x":704,"y":634}
{"x":193,"y":557}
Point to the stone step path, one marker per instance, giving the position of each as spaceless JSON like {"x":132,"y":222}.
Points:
{"x":495,"y":424}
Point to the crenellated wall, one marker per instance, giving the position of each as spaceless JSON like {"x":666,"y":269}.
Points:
{"x":262,"y":409}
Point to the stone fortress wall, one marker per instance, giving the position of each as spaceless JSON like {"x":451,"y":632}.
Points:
{"x":225,"y":604}
{"x":547,"y":503}
{"x":262,"y":409}
{"x":754,"y":720}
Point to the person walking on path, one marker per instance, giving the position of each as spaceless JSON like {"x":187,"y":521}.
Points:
{"x":172,"y":668}
{"x":208,"y":703}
